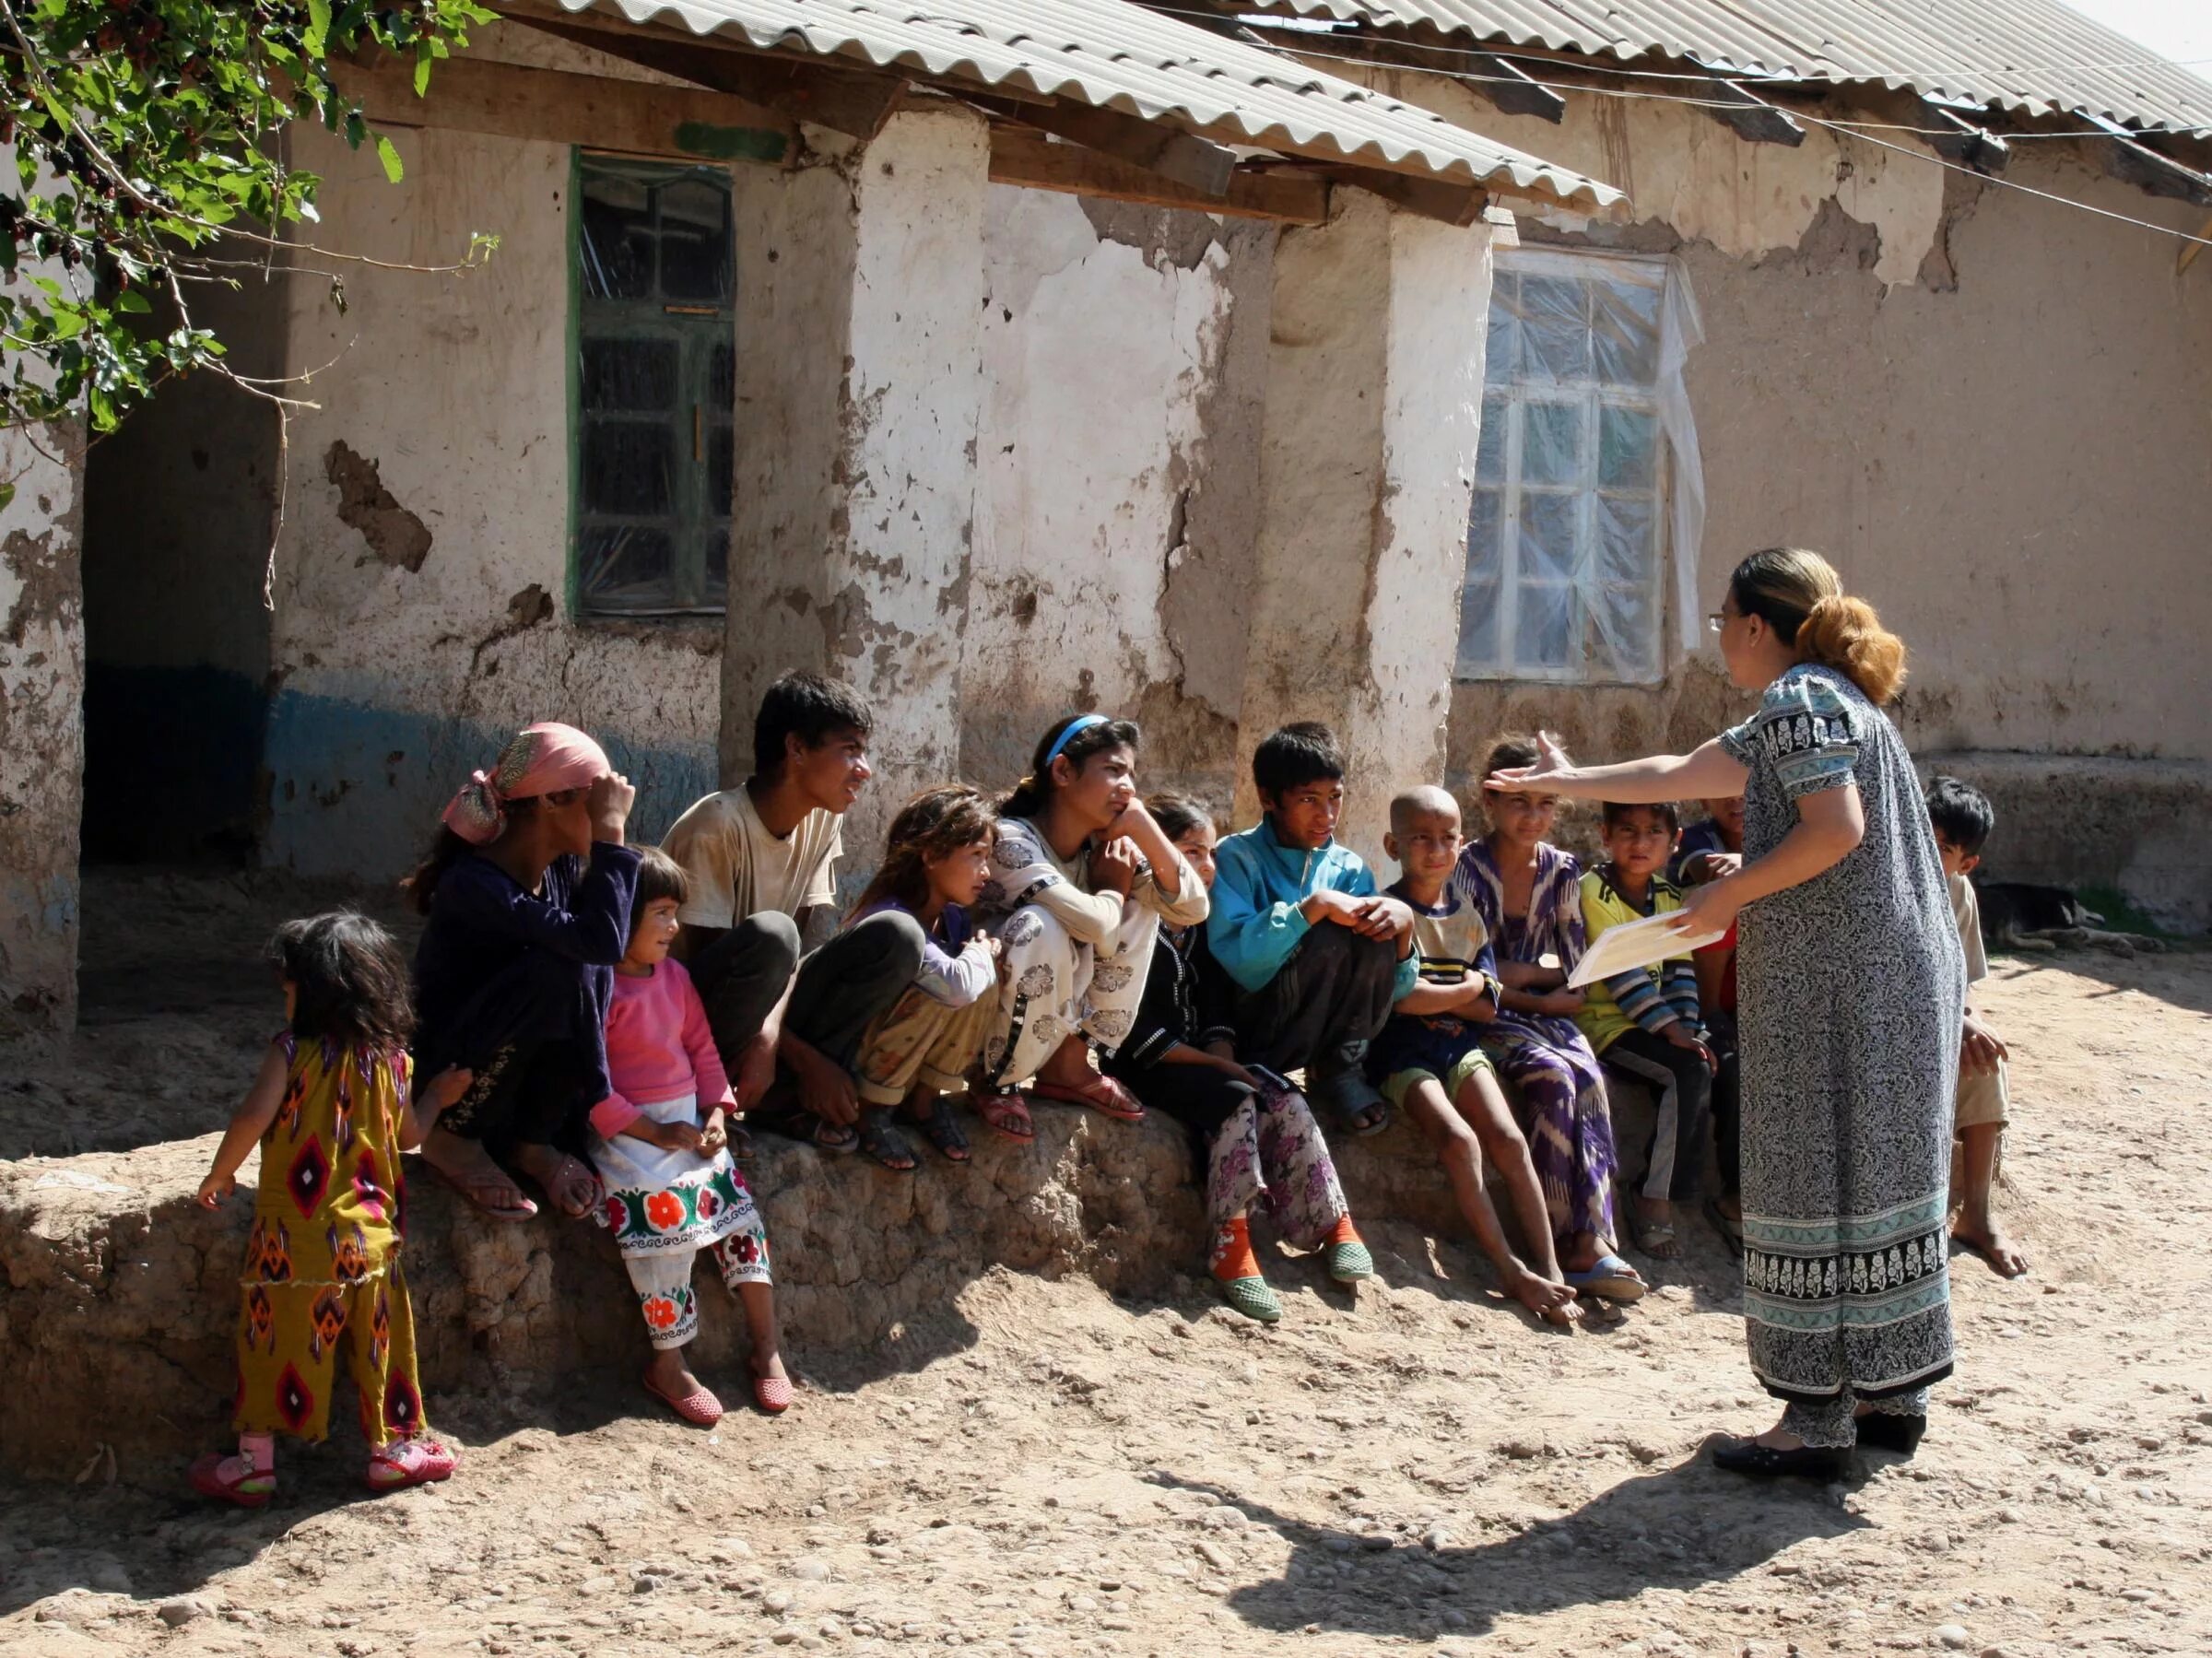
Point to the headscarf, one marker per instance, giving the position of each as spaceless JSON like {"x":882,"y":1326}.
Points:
{"x":543,"y":760}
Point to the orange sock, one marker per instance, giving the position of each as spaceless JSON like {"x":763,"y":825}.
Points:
{"x":1232,"y":1252}
{"x":1343,"y":1231}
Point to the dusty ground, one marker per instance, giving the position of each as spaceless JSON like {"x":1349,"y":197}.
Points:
{"x":1410,"y":1466}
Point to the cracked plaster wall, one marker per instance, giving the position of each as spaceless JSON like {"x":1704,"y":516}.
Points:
{"x":42,"y":731}
{"x":1124,"y":359}
{"x":392,"y":682}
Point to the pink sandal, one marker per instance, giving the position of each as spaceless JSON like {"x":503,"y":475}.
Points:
{"x":230,"y":1479}
{"x":406,"y":1463}
{"x":1007,"y":1114}
{"x":774,"y":1394}
{"x":1102,"y":1094}
{"x":700,"y":1407}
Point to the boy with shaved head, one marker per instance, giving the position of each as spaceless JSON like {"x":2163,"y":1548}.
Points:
{"x":1429,"y":1062}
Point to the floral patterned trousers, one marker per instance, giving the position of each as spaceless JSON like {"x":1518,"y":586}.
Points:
{"x":1270,"y":1156}
{"x":663,"y":1281}
{"x":1054,"y":986}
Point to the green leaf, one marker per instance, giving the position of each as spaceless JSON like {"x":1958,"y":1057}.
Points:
{"x":422,"y":70}
{"x":317,"y":40}
{"x":389,"y":157}
{"x":7,"y":496}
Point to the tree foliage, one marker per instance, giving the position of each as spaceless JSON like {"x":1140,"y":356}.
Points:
{"x":149,"y":163}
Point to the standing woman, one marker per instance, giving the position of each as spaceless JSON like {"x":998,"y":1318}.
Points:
{"x":1852,"y":988}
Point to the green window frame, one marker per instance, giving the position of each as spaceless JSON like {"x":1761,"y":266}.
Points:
{"x":653,"y":387}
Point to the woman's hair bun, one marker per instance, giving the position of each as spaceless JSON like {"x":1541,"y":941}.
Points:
{"x":1846,"y":633}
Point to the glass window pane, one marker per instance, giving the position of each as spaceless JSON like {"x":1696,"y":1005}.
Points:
{"x":623,"y":568}
{"x":1622,"y":633}
{"x":1501,"y":362}
{"x":695,"y":240}
{"x":1627,"y":448}
{"x":615,"y":247}
{"x":721,"y":471}
{"x":1624,"y":330}
{"x":1555,"y":329}
{"x":629,"y":375}
{"x":1625,"y":543}
{"x":1484,"y":545}
{"x":1551,"y":443}
{"x":1545,"y":630}
{"x":1478,"y":625}
{"x":1548,"y":535}
{"x":717,"y":592}
{"x":721,"y":377}
{"x":1489,"y":450}
{"x":628,"y":468}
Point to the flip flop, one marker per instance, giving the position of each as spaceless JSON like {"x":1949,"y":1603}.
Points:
{"x":479,"y":1195}
{"x":1731,"y":1230}
{"x":241,"y":1485}
{"x":1102,"y":1094}
{"x":1007,"y":1114}
{"x":1655,"y":1238}
{"x":700,"y":1407}
{"x":1610,"y":1277}
{"x":409,"y":1462}
{"x":774,"y":1394}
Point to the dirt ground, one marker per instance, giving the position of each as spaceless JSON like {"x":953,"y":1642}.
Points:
{"x":1412,"y":1465}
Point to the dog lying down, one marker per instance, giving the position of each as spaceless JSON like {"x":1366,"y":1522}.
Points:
{"x":2018,"y":915}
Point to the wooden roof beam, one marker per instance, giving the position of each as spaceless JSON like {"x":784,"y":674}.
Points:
{"x":1753,"y":118}
{"x":1960,"y":140}
{"x":1444,"y":200}
{"x":1197,"y":164}
{"x":1036,"y":162}
{"x":2134,"y":162}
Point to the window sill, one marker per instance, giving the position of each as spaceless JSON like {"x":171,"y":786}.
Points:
{"x":691,"y":630}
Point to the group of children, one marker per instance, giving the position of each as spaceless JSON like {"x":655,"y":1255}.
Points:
{"x":608,"y":1020}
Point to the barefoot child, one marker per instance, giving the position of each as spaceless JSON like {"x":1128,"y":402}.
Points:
{"x":662,"y":1148}
{"x":1644,"y":1023}
{"x":1254,"y":1137}
{"x":921,"y":1047}
{"x":1529,"y":893}
{"x":331,"y":1108}
{"x":1964,"y":818}
{"x":1429,"y":1060}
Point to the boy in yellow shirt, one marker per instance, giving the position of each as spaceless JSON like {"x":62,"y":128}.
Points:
{"x":1643,"y":1023}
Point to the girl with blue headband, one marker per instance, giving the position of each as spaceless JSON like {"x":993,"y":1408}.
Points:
{"x":1081,"y":879}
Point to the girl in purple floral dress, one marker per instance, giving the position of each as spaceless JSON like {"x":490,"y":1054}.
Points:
{"x":1250,"y":1129}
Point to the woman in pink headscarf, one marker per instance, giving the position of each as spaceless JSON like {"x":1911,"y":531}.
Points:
{"x":528,"y":893}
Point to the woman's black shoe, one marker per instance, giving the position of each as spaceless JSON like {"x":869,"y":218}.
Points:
{"x":1881,"y":1430}
{"x":1807,"y":1461}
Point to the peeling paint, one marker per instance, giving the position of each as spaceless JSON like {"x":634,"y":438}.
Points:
{"x":394,"y":533}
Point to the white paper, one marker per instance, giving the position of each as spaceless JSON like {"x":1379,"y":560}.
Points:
{"x":1637,"y":943}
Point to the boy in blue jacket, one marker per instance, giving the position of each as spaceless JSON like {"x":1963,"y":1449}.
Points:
{"x":1318,"y":956}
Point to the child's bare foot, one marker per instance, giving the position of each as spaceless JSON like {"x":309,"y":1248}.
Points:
{"x":472,"y":1171}
{"x":1655,"y":1228}
{"x":1988,"y":1240}
{"x":1552,"y":1303}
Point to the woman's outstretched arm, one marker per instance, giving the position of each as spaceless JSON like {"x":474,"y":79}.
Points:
{"x":1709,"y":773}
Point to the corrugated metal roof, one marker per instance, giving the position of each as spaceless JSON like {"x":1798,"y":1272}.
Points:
{"x":2037,"y":57}
{"x":1115,"y":55}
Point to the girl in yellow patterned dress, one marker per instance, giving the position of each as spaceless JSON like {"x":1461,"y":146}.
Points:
{"x":331,"y":1108}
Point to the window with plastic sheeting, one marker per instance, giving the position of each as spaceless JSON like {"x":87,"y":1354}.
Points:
{"x":1566,"y":539}
{"x":653,"y":388}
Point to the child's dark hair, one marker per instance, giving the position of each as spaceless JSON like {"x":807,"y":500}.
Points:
{"x":1511,"y":752}
{"x":810,"y":708}
{"x":934,"y":824}
{"x":1178,"y":813}
{"x":659,"y":876}
{"x":449,"y":848}
{"x":1303,"y":753}
{"x":1962,"y":813}
{"x":1033,"y":792}
{"x":349,"y":979}
{"x":1613,"y":811}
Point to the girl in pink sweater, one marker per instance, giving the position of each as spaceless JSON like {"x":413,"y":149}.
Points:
{"x":660,"y":1144}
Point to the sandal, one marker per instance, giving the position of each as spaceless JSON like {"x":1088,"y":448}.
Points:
{"x":1609,"y":1278}
{"x":940,"y":1129}
{"x":837,"y":1139}
{"x":409,"y":1462}
{"x":1656,"y":1239}
{"x":699,"y":1406}
{"x":883,"y":1142}
{"x":1102,"y":1094}
{"x":230,"y":1479}
{"x":1763,"y":1461}
{"x":568,"y":1185}
{"x":1008,"y":1114}
{"x":500,"y":1200}
{"x":774,"y":1394}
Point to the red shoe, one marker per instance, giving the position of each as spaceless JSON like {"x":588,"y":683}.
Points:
{"x":700,"y":1407}
{"x":774,"y":1394}
{"x":406,"y":1463}
{"x":228,"y":1479}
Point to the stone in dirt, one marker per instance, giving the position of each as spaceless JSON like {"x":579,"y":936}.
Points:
{"x":184,"y":1609}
